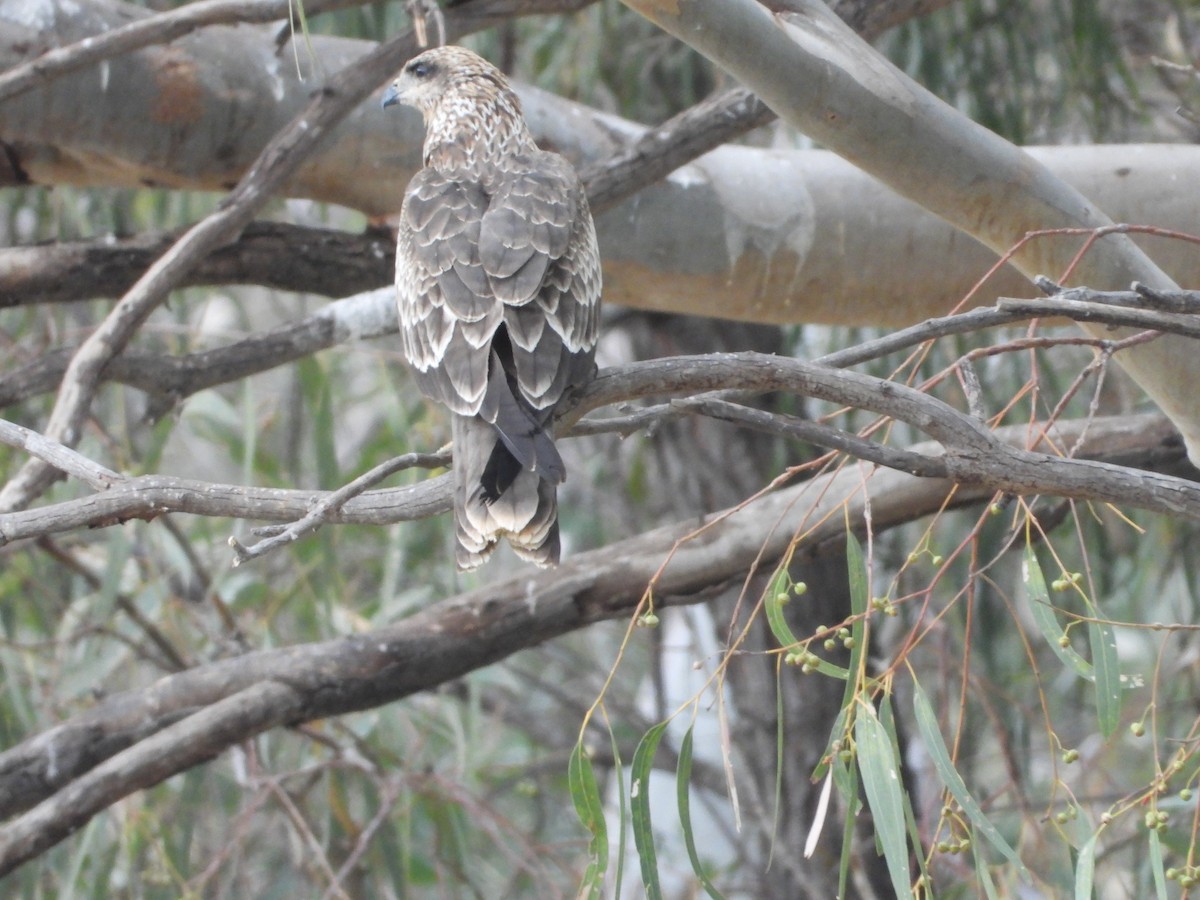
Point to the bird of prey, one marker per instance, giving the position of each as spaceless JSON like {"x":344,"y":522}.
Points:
{"x":498,"y":288}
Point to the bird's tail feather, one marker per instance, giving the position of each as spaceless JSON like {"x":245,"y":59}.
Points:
{"x":526,"y":511}
{"x":522,"y":429}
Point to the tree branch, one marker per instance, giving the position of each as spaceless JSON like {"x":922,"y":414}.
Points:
{"x":270,"y":254}
{"x":972,"y":454}
{"x":277,"y":160}
{"x":136,"y":731}
{"x":170,"y":379}
{"x":154,"y":29}
{"x":823,"y":79}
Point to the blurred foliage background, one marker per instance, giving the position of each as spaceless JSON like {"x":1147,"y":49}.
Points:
{"x":462,"y":793}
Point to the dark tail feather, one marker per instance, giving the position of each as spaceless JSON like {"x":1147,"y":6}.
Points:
{"x":520,"y":429}
{"x":499,"y":473}
{"x":525,"y":509}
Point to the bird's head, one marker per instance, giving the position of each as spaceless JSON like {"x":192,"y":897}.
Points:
{"x":429,"y":78}
{"x":472,"y":117}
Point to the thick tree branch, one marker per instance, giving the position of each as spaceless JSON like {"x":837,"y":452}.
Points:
{"x":721,"y":118}
{"x":157,"y":29}
{"x":170,"y":379}
{"x":270,"y":254}
{"x":972,"y":454}
{"x":194,"y":739}
{"x":278,"y":160}
{"x":275,"y":164}
{"x":455,"y":636}
{"x":823,"y":79}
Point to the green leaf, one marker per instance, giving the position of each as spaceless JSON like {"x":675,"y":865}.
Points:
{"x":682,"y":778}
{"x":931,"y":735}
{"x":983,"y":872}
{"x":887,"y":718}
{"x":856,"y":566}
{"x":779,"y":587}
{"x":1043,"y":614}
{"x":639,"y":796}
{"x":852,"y":807}
{"x":1156,"y":866}
{"x":880,"y":773}
{"x":780,"y":745}
{"x":1085,"y":868}
{"x":588,"y":806}
{"x":622,"y":810}
{"x":777,"y":593}
{"x":856,"y":574}
{"x":1108,"y":675}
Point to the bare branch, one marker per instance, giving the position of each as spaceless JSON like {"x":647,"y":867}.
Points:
{"x":150,"y":496}
{"x":819,"y":434}
{"x":149,"y":734}
{"x":1104,"y":307}
{"x":281,"y":157}
{"x":55,"y":454}
{"x":169,"y":379}
{"x":972,"y":454}
{"x":334,"y":501}
{"x":271,"y":254}
{"x":157,"y":29}
{"x":179,"y":746}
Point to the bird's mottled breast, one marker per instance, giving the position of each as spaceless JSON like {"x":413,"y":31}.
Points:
{"x":476,"y":132}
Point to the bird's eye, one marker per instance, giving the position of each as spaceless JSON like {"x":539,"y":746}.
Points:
{"x":420,"y":69}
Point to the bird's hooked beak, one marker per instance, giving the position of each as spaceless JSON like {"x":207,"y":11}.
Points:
{"x":391,"y":96}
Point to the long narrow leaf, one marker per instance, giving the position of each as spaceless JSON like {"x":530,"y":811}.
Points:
{"x":639,"y":804}
{"x":622,"y":810}
{"x":780,"y":722}
{"x":880,"y":773}
{"x":856,"y":574}
{"x":852,"y":806}
{"x":586,"y":797}
{"x":1085,"y":869}
{"x":931,"y":735}
{"x":682,"y":780}
{"x":856,"y":569}
{"x":1043,"y":614}
{"x":773,"y":600}
{"x":1156,"y":866}
{"x":887,"y":718}
{"x":983,"y":872}
{"x":1108,"y":675}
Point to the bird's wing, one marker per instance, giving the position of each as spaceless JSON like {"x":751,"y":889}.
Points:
{"x":537,"y":246}
{"x":448,"y":311}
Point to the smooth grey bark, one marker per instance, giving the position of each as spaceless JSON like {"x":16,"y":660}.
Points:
{"x":820,"y":77}
{"x":745,"y":233}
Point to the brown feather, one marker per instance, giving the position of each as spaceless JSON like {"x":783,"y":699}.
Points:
{"x":498,"y":288}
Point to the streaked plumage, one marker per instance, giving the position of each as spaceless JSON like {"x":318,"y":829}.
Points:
{"x":498,"y":286}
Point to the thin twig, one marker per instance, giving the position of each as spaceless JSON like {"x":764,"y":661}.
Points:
{"x":816,"y":433}
{"x":60,"y":457}
{"x":333,"y":502}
